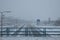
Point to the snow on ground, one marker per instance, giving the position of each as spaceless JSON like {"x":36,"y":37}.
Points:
{"x":30,"y":38}
{"x":47,"y":26}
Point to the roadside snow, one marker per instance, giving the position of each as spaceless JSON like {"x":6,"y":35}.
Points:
{"x":30,"y":38}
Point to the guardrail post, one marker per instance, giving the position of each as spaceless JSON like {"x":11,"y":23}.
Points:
{"x":26,"y":31}
{"x":7,"y":31}
{"x":44,"y":31}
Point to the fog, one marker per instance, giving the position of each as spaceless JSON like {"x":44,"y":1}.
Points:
{"x":31,"y":9}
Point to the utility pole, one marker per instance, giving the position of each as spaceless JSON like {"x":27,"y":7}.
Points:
{"x":2,"y":19}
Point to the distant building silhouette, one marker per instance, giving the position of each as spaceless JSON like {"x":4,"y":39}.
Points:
{"x":38,"y":21}
{"x":49,"y":20}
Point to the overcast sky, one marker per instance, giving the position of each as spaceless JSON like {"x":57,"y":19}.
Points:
{"x":32,"y":9}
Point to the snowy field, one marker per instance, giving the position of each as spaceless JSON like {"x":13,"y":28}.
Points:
{"x":31,"y":38}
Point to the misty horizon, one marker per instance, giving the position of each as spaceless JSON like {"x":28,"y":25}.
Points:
{"x":31,"y":9}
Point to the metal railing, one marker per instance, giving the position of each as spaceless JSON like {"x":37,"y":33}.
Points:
{"x":30,"y":31}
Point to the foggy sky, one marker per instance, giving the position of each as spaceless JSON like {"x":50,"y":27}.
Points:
{"x":31,"y":9}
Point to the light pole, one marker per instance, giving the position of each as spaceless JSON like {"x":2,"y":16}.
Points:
{"x":2,"y":19}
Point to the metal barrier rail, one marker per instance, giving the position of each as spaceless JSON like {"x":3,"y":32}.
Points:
{"x":45,"y":31}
